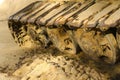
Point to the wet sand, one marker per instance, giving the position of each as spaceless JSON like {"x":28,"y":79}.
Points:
{"x":10,"y":52}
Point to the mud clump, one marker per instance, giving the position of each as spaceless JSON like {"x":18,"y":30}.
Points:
{"x":46,"y":64}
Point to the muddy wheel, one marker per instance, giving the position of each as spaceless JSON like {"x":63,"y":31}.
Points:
{"x":98,"y":45}
{"x":88,"y":43}
{"x":39,"y":35}
{"x":109,"y":46}
{"x":20,"y":35}
{"x":62,"y":40}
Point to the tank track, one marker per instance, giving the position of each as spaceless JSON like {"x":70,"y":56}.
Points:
{"x":92,"y":26}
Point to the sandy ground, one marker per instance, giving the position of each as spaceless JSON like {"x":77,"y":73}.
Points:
{"x":9,"y":50}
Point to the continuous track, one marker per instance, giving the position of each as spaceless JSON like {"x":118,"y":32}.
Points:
{"x":91,"y":26}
